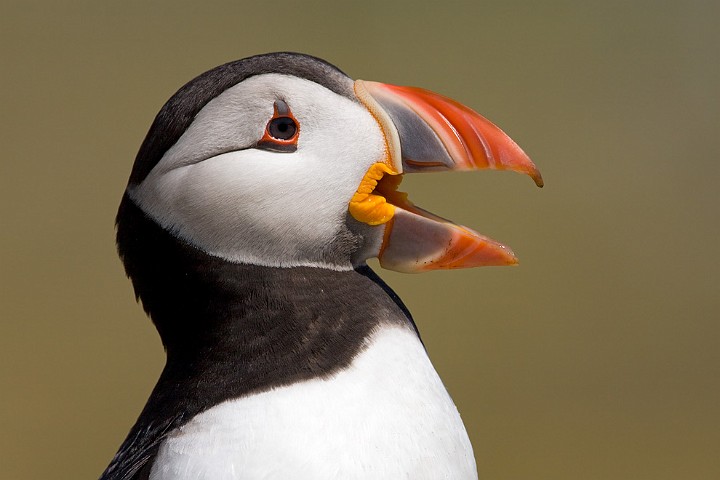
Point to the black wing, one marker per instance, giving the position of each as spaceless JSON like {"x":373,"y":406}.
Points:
{"x":135,"y":458}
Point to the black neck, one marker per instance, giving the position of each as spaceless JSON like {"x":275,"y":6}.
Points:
{"x":248,"y":326}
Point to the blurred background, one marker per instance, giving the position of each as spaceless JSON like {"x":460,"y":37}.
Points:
{"x":597,"y":358}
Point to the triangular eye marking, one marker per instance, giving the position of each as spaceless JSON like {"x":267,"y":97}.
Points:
{"x":282,"y":131}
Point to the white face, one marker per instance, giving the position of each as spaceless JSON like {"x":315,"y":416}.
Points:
{"x":249,"y":205}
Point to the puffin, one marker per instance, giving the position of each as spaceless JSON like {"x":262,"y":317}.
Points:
{"x":262,"y":188}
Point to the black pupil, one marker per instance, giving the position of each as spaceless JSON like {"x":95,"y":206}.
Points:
{"x":282,"y":128}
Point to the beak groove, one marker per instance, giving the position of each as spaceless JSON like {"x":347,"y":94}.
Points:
{"x":437,"y":133}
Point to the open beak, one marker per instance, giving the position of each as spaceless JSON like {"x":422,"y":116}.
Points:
{"x":426,"y":132}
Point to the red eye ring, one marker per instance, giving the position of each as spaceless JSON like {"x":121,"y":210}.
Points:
{"x":282,"y":130}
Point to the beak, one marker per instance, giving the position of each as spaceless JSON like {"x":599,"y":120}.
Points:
{"x":427,"y":132}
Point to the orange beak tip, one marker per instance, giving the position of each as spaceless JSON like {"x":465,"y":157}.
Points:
{"x":510,"y":260}
{"x":537,"y":178}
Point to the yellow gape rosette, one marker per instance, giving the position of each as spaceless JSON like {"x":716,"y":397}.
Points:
{"x":367,"y":206}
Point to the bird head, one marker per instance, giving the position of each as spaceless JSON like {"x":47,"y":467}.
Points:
{"x":282,"y":160}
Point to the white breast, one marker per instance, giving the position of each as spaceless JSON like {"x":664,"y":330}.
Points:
{"x":388,"y":416}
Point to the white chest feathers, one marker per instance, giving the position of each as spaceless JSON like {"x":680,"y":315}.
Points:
{"x":387,"y":416}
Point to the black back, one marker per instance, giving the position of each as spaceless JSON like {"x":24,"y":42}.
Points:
{"x":231,"y":330}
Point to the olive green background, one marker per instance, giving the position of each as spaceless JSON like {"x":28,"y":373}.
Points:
{"x":597,"y":358}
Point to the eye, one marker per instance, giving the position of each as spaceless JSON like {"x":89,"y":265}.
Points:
{"x":282,"y":130}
